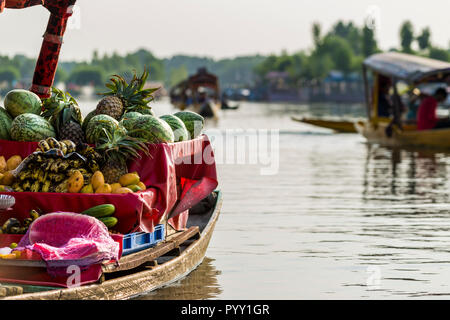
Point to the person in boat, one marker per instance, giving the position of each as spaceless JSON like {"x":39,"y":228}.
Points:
{"x":414,"y":99}
{"x":385,"y":104}
{"x":427,"y":114}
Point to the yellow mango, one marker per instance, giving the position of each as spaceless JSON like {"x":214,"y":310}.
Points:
{"x":123,"y":190}
{"x":13,"y":162}
{"x":105,"y":188}
{"x":128,"y":179}
{"x":2,"y":164}
{"x":142,"y":185}
{"x":8,"y":178}
{"x":97,"y":180}
{"x":75,"y":182}
{"x":115,"y":186}
{"x":87,"y":189}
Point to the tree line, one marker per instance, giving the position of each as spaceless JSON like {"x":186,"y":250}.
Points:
{"x":342,"y":48}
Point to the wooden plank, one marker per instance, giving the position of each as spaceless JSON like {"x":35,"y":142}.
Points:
{"x":136,"y":259}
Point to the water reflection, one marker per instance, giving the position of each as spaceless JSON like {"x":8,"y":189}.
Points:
{"x":200,"y":284}
{"x":404,"y":174}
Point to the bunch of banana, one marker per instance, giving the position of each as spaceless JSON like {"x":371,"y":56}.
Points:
{"x":66,"y":146}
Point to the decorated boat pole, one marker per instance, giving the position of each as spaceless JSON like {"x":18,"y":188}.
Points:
{"x":60,"y":11}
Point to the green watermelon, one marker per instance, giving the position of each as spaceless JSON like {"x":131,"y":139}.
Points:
{"x":193,"y":121}
{"x":31,"y":127}
{"x":89,"y":116}
{"x":144,"y":110}
{"x":129,"y":118}
{"x":19,"y":101}
{"x":152,"y":130}
{"x":94,"y":129}
{"x":179,"y":129}
{"x":5,"y":124}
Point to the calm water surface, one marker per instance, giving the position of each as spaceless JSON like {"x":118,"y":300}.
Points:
{"x":341,"y":219}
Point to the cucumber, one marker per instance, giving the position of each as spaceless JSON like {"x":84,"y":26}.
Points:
{"x":103,"y":210}
{"x":109,"y":221}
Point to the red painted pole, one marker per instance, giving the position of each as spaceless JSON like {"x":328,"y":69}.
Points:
{"x":47,"y":63}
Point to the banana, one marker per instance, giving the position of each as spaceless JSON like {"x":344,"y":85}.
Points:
{"x":26,"y":185}
{"x":43,"y":146}
{"x":71,"y":146}
{"x":46,"y":186}
{"x":55,"y":165}
{"x":62,"y":187}
{"x":25,"y":174}
{"x":63,"y":147}
{"x":35,"y":187}
{"x":53,"y":143}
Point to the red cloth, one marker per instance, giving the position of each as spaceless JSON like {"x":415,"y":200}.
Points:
{"x":426,"y":114}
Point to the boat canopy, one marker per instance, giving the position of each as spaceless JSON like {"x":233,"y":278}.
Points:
{"x":410,"y":68}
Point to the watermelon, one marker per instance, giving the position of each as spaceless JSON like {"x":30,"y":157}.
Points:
{"x":94,"y":129}
{"x":193,"y":121}
{"x":179,"y":129}
{"x":19,"y":101}
{"x":31,"y":127}
{"x":5,"y":124}
{"x":144,"y":110}
{"x":89,"y":116}
{"x":129,"y":118}
{"x":152,"y":130}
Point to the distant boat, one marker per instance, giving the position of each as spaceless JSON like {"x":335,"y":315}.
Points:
{"x":199,"y":93}
{"x":412,"y":70}
{"x":336,"y":125}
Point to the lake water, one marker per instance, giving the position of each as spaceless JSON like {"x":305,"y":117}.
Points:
{"x":338,"y":219}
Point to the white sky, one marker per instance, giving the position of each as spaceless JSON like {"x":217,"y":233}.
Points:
{"x":215,"y":28}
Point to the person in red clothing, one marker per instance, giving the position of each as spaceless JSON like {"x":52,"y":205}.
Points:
{"x":426,"y":115}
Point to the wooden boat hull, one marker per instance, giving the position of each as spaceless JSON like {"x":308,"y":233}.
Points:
{"x":339,"y":126}
{"x":151,"y":278}
{"x":409,"y":137}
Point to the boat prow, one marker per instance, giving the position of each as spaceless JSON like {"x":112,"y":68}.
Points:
{"x":408,"y":137}
{"x":336,"y":125}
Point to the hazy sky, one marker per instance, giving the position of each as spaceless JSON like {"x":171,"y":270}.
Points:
{"x":216,"y":28}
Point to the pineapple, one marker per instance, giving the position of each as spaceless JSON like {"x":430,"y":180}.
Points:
{"x":124,"y":97}
{"x":117,"y":148}
{"x":62,"y":110}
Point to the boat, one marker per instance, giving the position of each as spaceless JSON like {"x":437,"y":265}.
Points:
{"x":336,"y":125}
{"x":141,"y":272}
{"x":412,"y":71}
{"x":199,"y":93}
{"x":183,"y":244}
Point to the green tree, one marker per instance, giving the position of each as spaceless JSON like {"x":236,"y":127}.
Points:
{"x":316,"y":33}
{"x":439,"y":54}
{"x":178,"y":75}
{"x":9,"y":74}
{"x":369,"y":44}
{"x":423,"y":40}
{"x":87,"y":75}
{"x":406,"y":36}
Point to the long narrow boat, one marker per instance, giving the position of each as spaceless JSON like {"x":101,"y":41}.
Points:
{"x":413,"y":71}
{"x":143,"y":271}
{"x":336,"y":125}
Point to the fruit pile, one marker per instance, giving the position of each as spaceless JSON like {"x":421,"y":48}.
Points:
{"x":128,"y":183}
{"x":54,"y":166}
{"x":14,"y":226}
{"x":6,"y":172}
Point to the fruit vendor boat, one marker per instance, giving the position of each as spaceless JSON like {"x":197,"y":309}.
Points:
{"x":412,"y":71}
{"x":58,"y":238}
{"x":199,"y":93}
{"x":336,"y":125}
